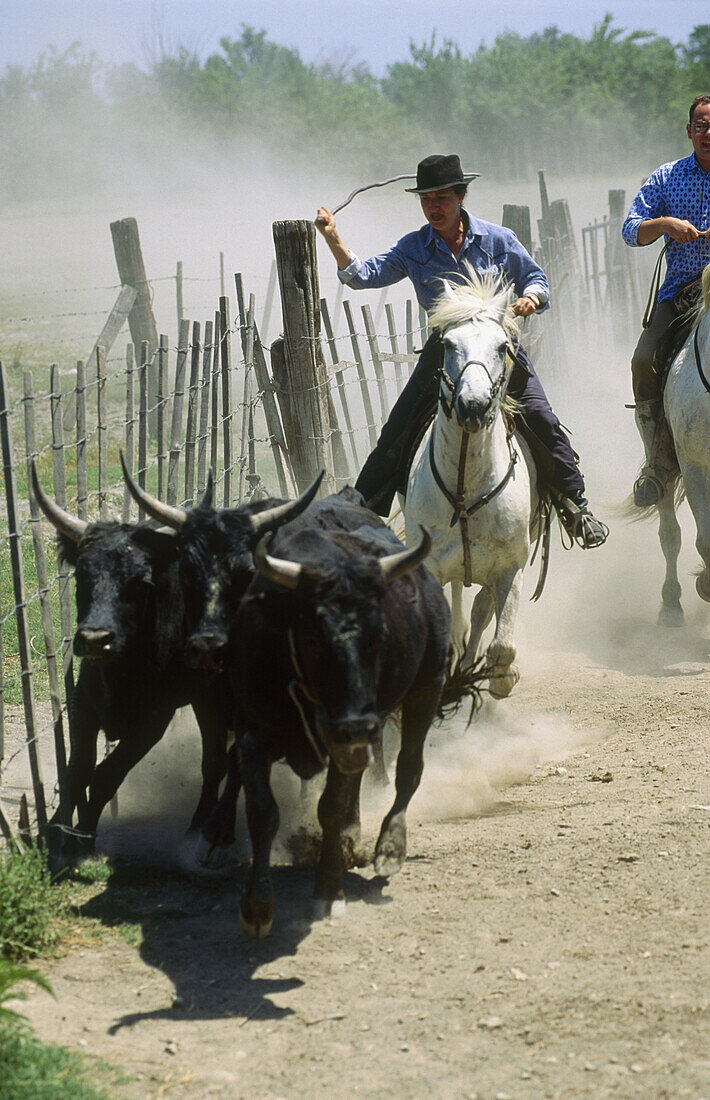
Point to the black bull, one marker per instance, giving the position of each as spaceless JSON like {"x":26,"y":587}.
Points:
{"x":133,"y":676}
{"x":346,"y":630}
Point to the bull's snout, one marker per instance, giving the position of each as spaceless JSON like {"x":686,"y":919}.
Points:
{"x":361,"y":730}
{"x":206,"y":650}
{"x":94,"y":642}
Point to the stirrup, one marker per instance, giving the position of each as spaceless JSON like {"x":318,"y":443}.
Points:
{"x":648,"y":488}
{"x":582,"y":527}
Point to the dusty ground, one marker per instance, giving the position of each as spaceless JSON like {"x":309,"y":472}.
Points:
{"x":547,"y":937}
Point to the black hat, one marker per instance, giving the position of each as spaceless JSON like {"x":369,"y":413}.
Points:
{"x":439,"y":171}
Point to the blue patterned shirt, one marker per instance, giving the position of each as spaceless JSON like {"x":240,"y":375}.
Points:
{"x":679,"y":189}
{"x":423,"y":257}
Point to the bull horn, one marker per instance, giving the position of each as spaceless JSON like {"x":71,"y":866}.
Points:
{"x":279,"y":570}
{"x":271,"y":518}
{"x":396,"y":565}
{"x":206,"y":501}
{"x":163,"y":513}
{"x":65,"y":523}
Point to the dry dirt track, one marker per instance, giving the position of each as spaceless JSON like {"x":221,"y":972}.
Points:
{"x":549,"y":941}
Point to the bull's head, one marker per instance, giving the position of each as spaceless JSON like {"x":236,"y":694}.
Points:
{"x":116,"y":569}
{"x":338,"y":637}
{"x":216,"y":560}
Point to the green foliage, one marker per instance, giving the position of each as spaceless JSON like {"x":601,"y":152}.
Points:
{"x":10,"y":975}
{"x":615,"y":97}
{"x":33,"y":1071}
{"x":27,"y":904}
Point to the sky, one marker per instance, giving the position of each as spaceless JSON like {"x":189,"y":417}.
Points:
{"x":377,"y":32}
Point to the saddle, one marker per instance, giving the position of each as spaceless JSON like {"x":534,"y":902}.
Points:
{"x":685,"y":302}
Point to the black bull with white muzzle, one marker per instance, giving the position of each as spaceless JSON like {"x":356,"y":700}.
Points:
{"x":342,"y":628}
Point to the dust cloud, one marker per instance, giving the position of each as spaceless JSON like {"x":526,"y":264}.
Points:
{"x":58,"y":279}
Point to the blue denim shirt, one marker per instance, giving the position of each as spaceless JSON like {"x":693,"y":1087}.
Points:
{"x":423,"y":257}
{"x":679,"y":189}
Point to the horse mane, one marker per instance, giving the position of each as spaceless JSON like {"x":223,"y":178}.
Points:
{"x":478,"y":296}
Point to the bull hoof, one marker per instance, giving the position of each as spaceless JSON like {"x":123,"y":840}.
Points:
{"x":671,"y":614}
{"x":335,"y":909}
{"x":501,"y":686}
{"x":197,"y":855}
{"x":256,"y":920}
{"x":212,"y":857}
{"x":702,"y":589}
{"x":391,"y":851}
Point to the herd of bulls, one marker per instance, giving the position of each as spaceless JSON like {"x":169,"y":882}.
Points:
{"x":296,"y":653}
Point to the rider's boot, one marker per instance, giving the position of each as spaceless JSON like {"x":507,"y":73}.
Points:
{"x":580,"y":524}
{"x":661,"y":463}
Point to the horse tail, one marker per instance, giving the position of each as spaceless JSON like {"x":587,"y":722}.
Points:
{"x":631,"y":513}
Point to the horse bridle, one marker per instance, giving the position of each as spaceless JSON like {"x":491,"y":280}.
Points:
{"x":462,"y":513}
{"x":497,"y":384}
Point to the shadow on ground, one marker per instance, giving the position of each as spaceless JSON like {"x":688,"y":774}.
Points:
{"x":190,"y":931}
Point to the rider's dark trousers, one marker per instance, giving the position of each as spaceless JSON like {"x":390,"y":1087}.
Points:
{"x":645,"y":378}
{"x":384,"y":470}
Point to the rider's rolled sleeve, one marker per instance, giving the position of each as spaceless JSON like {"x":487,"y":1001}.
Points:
{"x":378,"y":271}
{"x":649,"y":203}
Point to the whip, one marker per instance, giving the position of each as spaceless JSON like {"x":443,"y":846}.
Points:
{"x":368,"y":187}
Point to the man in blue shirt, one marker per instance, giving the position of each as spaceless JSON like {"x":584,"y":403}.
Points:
{"x":440,"y":250}
{"x":674,"y":202}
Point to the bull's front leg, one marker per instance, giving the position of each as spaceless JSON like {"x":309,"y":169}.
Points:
{"x":418,"y":712}
{"x":256,"y":910}
{"x":338,"y":807}
{"x":217,"y":837}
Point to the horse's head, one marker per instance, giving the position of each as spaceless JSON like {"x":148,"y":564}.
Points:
{"x":477,"y":326}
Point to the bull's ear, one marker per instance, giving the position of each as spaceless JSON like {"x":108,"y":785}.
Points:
{"x":67,"y":549}
{"x":161,"y":542}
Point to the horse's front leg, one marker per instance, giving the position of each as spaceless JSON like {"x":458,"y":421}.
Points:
{"x":671,"y":612}
{"x":503,"y":675}
{"x":481,"y":614}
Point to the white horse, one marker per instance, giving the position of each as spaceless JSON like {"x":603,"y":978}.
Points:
{"x":472,"y":483}
{"x":686,"y":401}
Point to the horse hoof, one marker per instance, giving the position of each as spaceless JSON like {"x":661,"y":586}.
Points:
{"x":671,"y":614}
{"x":500,"y":687}
{"x":701,"y":589}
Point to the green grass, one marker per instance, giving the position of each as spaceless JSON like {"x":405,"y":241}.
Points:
{"x":28,"y":905}
{"x":32,"y":1070}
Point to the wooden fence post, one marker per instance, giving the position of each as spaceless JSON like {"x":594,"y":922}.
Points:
{"x":18,"y":584}
{"x":129,"y":445}
{"x":192,"y":411}
{"x":176,"y":425}
{"x":81,"y":486}
{"x":339,"y":384}
{"x":131,"y":270}
{"x":46,"y":607}
{"x":517,"y":218}
{"x":161,"y":402}
{"x":359,"y":363}
{"x":274,"y":426}
{"x":143,"y":421}
{"x":225,"y":350}
{"x":304,"y":368}
{"x":204,"y":410}
{"x":102,"y":431}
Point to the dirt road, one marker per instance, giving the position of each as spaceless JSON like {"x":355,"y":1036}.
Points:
{"x":547,"y":937}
